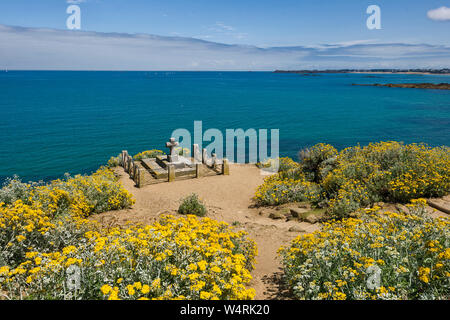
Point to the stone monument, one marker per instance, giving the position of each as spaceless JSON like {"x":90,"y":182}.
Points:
{"x":173,"y":155}
{"x":172,"y":167}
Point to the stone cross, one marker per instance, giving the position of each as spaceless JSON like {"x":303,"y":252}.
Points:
{"x":173,"y":156}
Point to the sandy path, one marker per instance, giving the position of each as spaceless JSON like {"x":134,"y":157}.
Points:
{"x":228,"y":198}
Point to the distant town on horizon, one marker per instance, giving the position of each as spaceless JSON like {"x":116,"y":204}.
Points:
{"x":428,"y":71}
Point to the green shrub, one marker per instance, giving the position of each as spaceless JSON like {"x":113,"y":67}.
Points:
{"x":317,"y":158}
{"x":192,"y":205}
{"x":81,"y":195}
{"x":114,"y":162}
{"x":182,"y":151}
{"x":148,"y":154}
{"x":283,"y":164}
{"x":358,"y":176}
{"x":14,"y":189}
{"x":287,"y":164}
{"x":73,"y":258}
{"x":386,"y":171}
{"x":276,"y":191}
{"x":342,"y":260}
{"x":25,"y":228}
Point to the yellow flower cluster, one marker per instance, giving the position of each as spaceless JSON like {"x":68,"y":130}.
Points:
{"x":379,"y":255}
{"x":313,"y":160}
{"x":184,"y":258}
{"x":25,"y":231}
{"x":358,"y":176}
{"x":20,"y":227}
{"x":429,"y":174}
{"x":275,"y":191}
{"x":148,"y":154}
{"x":80,"y":195}
{"x":287,"y":185}
{"x":385,"y":171}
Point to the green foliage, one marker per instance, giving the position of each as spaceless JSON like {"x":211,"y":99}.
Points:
{"x":314,"y":160}
{"x":182,"y":151}
{"x":339,"y":261}
{"x":73,"y":258}
{"x":385,"y":171}
{"x":192,"y":205}
{"x":114,"y":161}
{"x":14,"y":189}
{"x":282,"y":164}
{"x":358,"y":176}
{"x":286,"y":164}
{"x":25,"y":228}
{"x":148,"y":154}
{"x":81,"y":195}
{"x":279,"y":189}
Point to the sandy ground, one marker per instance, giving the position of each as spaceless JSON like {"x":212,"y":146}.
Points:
{"x":227,"y":198}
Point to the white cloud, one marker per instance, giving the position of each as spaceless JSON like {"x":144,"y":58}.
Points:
{"x":49,"y":49}
{"x":223,"y":30}
{"x":440,"y":14}
{"x":223,"y":26}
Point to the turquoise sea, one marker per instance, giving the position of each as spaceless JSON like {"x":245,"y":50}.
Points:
{"x":57,"y":122}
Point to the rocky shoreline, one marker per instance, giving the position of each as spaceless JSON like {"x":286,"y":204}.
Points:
{"x":439,"y":86}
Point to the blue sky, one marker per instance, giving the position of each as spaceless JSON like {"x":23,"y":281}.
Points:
{"x":262,"y":24}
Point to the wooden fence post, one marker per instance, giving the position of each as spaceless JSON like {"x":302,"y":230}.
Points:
{"x":124,"y":156}
{"x":225,"y":167}
{"x":171,"y":173}
{"x":129,"y":164}
{"x":138,"y":177}
{"x":198,"y":170}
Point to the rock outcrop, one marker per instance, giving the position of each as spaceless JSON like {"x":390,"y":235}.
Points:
{"x":439,"y":86}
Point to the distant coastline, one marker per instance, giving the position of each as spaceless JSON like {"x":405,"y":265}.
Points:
{"x":439,"y":86}
{"x":445,"y":71}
